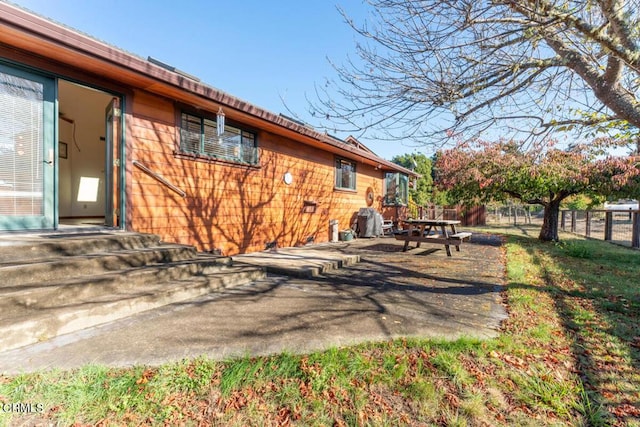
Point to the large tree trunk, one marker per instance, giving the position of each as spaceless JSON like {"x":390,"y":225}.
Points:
{"x":549,"y":230}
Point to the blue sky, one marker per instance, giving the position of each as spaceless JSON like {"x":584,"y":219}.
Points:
{"x":261,"y":51}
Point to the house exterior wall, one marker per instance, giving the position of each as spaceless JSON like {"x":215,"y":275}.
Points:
{"x":233,"y":208}
{"x":228,"y":207}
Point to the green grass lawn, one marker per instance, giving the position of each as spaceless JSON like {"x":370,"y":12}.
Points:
{"x":569,"y":354}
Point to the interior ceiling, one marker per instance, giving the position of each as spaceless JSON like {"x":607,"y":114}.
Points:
{"x":69,"y":93}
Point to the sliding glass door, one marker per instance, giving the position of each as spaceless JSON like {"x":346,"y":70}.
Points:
{"x":27,"y":152}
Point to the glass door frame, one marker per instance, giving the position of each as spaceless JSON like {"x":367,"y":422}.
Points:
{"x":49,"y":156}
{"x":114,"y":168}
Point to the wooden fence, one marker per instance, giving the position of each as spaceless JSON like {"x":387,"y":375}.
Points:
{"x":622,"y":227}
{"x":469,"y":216}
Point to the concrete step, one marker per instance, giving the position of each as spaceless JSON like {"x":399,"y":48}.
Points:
{"x":68,"y":290}
{"x":52,"y":310}
{"x":48,"y":270}
{"x":14,"y":248}
{"x":55,"y":283}
{"x":299,"y":262}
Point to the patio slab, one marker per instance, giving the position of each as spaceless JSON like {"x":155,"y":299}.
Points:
{"x":389,"y":294}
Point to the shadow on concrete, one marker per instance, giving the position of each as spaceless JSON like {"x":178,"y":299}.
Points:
{"x":389,"y":294}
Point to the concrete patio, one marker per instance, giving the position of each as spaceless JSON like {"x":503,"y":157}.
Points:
{"x":388,"y":294}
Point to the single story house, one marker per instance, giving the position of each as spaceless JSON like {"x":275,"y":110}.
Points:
{"x":90,"y":132}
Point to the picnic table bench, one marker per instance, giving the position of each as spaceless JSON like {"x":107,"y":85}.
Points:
{"x":419,"y":230}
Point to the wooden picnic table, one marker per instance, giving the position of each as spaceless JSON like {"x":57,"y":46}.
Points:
{"x":419,"y":230}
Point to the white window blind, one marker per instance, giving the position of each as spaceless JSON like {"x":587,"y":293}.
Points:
{"x":199,"y":136}
{"x":21,"y":146}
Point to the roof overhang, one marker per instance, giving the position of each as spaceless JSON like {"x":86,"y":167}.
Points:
{"x":31,"y":33}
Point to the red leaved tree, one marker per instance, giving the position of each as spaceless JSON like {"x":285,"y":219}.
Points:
{"x":479,"y":171}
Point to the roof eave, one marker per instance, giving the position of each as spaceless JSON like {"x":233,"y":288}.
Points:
{"x":142,"y":74}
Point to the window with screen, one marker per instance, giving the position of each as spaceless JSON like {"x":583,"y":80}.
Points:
{"x":345,"y":174}
{"x":396,"y":189}
{"x":199,"y":136}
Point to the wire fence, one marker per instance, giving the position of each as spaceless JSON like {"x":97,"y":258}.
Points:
{"x":514,"y":214}
{"x":621,"y":227}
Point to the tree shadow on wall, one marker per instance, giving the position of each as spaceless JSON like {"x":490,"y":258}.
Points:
{"x":232,"y":208}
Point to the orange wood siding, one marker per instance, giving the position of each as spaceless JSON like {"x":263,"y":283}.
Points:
{"x":231,"y":208}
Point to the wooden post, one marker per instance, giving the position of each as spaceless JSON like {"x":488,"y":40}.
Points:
{"x":608,"y":226}
{"x":635,"y":235}
{"x":563,"y":220}
{"x":574,"y":217}
{"x":587,"y":231}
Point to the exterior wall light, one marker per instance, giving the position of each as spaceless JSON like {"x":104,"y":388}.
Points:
{"x":288,"y":178}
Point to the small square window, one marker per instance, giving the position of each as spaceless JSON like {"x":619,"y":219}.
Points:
{"x":396,"y":189}
{"x":345,"y":174}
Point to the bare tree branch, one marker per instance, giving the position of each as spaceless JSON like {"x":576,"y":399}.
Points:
{"x":425,"y":67}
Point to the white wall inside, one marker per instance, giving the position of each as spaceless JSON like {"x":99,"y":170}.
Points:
{"x":85,"y":162}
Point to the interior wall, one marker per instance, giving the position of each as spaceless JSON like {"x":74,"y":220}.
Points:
{"x":84,"y":148}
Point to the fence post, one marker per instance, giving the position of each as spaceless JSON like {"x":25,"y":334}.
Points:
{"x":563,"y":220}
{"x":635,"y":235}
{"x":587,"y":231}
{"x":574,"y":217}
{"x":608,"y":226}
